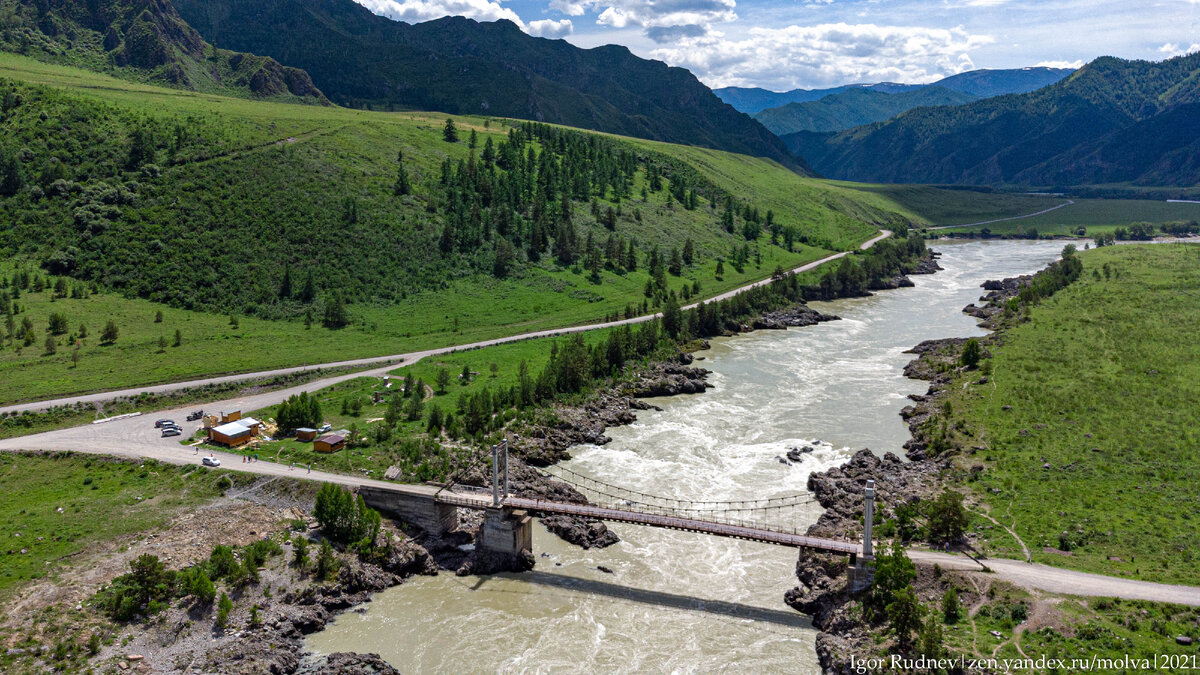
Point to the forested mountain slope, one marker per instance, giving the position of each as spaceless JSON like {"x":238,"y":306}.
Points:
{"x":854,"y":107}
{"x":143,"y":40}
{"x":461,"y":66}
{"x":1111,"y":121}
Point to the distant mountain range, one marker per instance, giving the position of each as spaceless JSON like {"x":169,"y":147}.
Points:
{"x":978,"y":83}
{"x":458,"y":65}
{"x":144,"y":40}
{"x":1112,"y":121}
{"x":854,"y":107}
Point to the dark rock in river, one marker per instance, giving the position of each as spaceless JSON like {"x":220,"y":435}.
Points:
{"x":794,"y":316}
{"x":349,"y":663}
{"x":581,"y":532}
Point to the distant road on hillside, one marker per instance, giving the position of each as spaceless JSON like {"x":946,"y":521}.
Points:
{"x":388,"y":363}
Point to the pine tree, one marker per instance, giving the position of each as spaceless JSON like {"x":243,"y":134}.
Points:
{"x":449,"y":132}
{"x":110,"y":333}
{"x":402,"y":186}
{"x":285,"y":286}
{"x":335,"y":313}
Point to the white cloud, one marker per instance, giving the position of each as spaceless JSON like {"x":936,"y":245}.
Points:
{"x":826,"y":54}
{"x":550,"y":28}
{"x":662,"y":20}
{"x":1076,"y":64}
{"x":569,"y":8}
{"x":1171,"y":49}
{"x":415,"y":11}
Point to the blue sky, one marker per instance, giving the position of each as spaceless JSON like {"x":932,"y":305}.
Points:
{"x":784,"y":44}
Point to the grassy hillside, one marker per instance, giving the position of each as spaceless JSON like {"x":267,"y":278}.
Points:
{"x":241,"y":194}
{"x":1089,"y":419}
{"x":143,"y":41}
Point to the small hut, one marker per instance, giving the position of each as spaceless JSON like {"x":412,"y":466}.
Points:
{"x":329,"y":443}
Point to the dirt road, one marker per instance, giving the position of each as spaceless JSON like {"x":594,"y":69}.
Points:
{"x":1070,"y":582}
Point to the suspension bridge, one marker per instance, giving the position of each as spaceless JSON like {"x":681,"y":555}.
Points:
{"x":507,"y":526}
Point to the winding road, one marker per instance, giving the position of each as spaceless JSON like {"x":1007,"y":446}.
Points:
{"x":395,"y":360}
{"x":1001,"y":220}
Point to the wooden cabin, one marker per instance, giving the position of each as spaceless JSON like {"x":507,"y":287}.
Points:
{"x":305,"y":434}
{"x":329,"y":443}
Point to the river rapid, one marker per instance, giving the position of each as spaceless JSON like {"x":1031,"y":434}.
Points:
{"x":677,"y":601}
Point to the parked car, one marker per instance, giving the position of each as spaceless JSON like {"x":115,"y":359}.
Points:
{"x":325,"y":427}
{"x":171,"y":431}
{"x":192,"y":417}
{"x":164,"y":423}
{"x":210,"y":461}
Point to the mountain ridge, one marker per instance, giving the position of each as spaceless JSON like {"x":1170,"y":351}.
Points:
{"x":854,"y":107}
{"x":1113,"y":120}
{"x":982,"y":83}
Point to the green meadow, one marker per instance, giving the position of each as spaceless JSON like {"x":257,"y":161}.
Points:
{"x":54,"y":507}
{"x":1094,"y":215}
{"x":1090,"y":421}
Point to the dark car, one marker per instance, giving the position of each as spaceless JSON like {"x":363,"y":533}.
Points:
{"x":164,"y":423}
{"x":195,"y":416}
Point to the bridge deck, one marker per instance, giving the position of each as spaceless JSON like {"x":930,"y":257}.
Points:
{"x":482,"y":499}
{"x":687,"y":524}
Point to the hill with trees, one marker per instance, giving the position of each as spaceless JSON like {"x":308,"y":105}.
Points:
{"x":461,"y":66}
{"x":854,"y":107}
{"x":1113,"y":121}
{"x":379,"y":232}
{"x":981,"y":83}
{"x":144,"y":40}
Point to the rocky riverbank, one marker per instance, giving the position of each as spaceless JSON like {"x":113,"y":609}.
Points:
{"x":823,"y":594}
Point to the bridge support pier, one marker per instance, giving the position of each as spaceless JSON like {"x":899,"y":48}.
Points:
{"x":860,"y":574}
{"x":506,"y":539}
{"x":419,"y":510}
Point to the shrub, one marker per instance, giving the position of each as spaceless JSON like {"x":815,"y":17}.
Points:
{"x":224,"y":607}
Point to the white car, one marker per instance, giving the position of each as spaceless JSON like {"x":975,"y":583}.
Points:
{"x":210,"y":461}
{"x":325,"y":427}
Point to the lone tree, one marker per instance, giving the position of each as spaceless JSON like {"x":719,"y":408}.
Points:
{"x":442,"y":380}
{"x":904,"y":616}
{"x":971,"y":354}
{"x":947,"y":517}
{"x":402,"y":186}
{"x":449,"y":132}
{"x":109,"y":334}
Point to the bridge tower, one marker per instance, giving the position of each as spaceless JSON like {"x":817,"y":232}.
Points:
{"x":506,"y":533}
{"x":862,"y":571}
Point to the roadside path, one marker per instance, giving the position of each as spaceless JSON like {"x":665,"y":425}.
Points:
{"x":1001,"y":220}
{"x":396,"y":360}
{"x":1059,"y":580}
